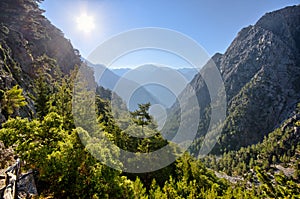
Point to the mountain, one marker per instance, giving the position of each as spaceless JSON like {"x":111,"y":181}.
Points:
{"x":149,"y":83}
{"x":120,"y":71}
{"x":279,"y":151}
{"x":160,"y":81}
{"x":261,"y":74}
{"x":108,"y":79}
{"x":122,"y":87}
{"x":188,"y":73}
{"x":30,"y":45}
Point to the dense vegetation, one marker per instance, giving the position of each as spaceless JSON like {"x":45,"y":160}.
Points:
{"x":50,"y":144}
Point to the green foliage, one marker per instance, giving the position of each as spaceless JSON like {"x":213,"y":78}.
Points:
{"x":191,"y":180}
{"x":65,"y":167}
{"x":52,"y":145}
{"x":141,"y":116}
{"x":11,"y":100}
{"x":139,"y":190}
{"x":259,"y":163}
{"x":47,"y":80}
{"x":283,"y":187}
{"x":61,"y":102}
{"x":279,"y":147}
{"x":43,"y":92}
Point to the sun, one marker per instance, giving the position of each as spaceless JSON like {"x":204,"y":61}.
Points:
{"x":85,"y":23}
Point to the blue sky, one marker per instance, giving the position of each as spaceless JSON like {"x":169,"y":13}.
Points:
{"x":212,"y":23}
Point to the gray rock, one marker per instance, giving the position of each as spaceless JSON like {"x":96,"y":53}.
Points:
{"x":261,"y":73}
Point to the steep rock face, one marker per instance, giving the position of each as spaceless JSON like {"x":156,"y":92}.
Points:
{"x":261,"y":74}
{"x":28,"y":42}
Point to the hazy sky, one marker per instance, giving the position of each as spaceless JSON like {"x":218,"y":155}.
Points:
{"x":211,"y":23}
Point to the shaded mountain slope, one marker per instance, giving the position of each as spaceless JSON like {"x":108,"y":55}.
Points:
{"x":280,"y":147}
{"x":261,"y":74}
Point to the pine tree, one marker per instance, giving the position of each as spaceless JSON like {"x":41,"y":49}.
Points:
{"x":43,"y":92}
{"x":141,"y":116}
{"x":12,"y":100}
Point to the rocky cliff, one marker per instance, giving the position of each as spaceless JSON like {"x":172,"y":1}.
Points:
{"x":30,"y":44}
{"x":261,"y":73}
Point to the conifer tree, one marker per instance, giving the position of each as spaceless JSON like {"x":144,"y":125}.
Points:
{"x":141,"y":116}
{"x":11,"y":100}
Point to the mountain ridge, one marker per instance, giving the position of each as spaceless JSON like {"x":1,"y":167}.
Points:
{"x":30,"y":45}
{"x":156,"y":92}
{"x":261,"y":75}
{"x":267,"y":76}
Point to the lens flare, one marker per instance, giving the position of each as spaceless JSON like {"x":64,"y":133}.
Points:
{"x":85,"y":23}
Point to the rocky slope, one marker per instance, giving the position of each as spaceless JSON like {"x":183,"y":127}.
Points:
{"x":30,"y":44}
{"x":261,"y":73}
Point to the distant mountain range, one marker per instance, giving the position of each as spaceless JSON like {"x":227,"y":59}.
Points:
{"x":188,"y":73}
{"x":149,"y":83}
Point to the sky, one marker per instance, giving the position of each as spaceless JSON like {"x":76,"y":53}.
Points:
{"x":213,"y":24}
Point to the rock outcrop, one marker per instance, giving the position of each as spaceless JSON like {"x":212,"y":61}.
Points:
{"x":261,"y":74}
{"x":28,"y":41}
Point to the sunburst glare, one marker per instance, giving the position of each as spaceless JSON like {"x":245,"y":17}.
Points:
{"x":85,"y":23}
